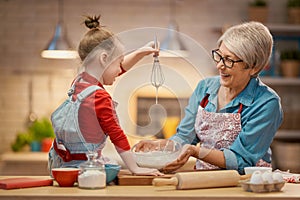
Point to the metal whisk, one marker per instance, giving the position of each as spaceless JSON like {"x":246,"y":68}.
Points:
{"x":157,"y":76}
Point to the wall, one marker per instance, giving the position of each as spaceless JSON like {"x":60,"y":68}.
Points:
{"x":28,"y":25}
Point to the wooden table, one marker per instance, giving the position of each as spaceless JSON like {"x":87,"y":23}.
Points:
{"x":115,"y":192}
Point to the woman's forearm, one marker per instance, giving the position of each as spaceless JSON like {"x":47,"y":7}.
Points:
{"x":215,"y":157}
{"x":212,"y":156}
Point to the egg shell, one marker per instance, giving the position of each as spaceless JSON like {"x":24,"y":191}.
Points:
{"x":277,"y":177}
{"x":267,"y":177}
{"x":256,"y":178}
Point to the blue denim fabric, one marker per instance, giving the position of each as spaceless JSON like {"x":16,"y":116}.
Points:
{"x":66,"y":127}
{"x":261,"y":117}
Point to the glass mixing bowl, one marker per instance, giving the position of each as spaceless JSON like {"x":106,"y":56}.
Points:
{"x":164,"y":152}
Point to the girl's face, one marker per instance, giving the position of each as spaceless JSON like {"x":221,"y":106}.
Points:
{"x":236,"y":77}
{"x":112,"y":70}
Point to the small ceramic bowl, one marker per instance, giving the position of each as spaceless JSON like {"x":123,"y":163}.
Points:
{"x":65,"y":177}
{"x":251,"y":170}
{"x":111,"y":172}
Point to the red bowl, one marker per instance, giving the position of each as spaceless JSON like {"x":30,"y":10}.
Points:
{"x":65,"y":177}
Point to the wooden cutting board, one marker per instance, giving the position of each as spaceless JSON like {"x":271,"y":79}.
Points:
{"x":24,"y":182}
{"x":126,"y":178}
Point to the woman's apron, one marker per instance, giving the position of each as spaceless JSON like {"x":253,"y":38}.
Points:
{"x":217,"y":130}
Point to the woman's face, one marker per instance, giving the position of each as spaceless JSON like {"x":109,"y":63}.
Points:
{"x":113,"y":70}
{"x":236,"y":77}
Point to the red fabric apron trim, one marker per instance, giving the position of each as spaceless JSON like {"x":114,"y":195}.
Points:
{"x":204,"y":102}
{"x":67,"y":156}
{"x":240,"y":109}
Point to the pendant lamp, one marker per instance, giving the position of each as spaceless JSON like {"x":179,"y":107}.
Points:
{"x":172,"y":45}
{"x":59,"y":46}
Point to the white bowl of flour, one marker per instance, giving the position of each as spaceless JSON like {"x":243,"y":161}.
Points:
{"x":158,"y":158}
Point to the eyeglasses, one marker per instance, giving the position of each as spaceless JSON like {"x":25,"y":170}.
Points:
{"x":226,"y":61}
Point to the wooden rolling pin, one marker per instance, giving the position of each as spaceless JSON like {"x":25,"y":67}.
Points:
{"x":202,"y":179}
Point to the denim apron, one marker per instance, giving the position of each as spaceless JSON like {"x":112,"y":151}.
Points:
{"x":70,"y":141}
{"x":217,"y":130}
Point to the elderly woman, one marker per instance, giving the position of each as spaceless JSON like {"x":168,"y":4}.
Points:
{"x":234,"y":116}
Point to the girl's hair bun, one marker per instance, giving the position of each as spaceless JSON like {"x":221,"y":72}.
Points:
{"x":92,"y":22}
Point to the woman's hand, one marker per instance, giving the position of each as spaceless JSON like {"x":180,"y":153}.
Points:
{"x":187,"y":151}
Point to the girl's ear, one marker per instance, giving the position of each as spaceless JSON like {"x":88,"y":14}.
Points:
{"x":103,"y":58}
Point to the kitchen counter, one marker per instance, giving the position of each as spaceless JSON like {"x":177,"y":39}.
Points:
{"x":289,"y":191}
{"x":24,"y":164}
{"x":36,"y":163}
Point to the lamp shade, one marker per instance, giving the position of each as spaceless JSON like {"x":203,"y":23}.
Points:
{"x":59,"y":46}
{"x":172,"y":45}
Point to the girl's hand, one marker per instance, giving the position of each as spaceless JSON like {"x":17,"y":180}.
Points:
{"x":146,"y":171}
{"x":130,"y":162}
{"x":132,"y":58}
{"x":149,"y":48}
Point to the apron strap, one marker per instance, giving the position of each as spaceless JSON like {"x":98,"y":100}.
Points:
{"x":65,"y":154}
{"x":240,"y":109}
{"x":204,"y":101}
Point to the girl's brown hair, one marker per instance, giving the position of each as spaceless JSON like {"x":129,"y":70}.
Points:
{"x":96,"y":35}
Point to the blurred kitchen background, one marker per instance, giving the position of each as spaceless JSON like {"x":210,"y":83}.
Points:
{"x":32,"y":86}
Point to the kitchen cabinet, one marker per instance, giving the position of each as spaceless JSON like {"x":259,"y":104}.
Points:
{"x":286,"y":37}
{"x":286,"y":143}
{"x":281,"y":81}
{"x":151,"y":118}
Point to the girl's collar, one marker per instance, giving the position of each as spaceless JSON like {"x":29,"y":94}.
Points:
{"x":90,"y":79}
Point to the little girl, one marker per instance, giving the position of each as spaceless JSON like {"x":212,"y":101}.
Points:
{"x":102,"y":58}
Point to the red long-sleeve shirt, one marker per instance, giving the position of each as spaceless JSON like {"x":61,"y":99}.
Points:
{"x":97,"y":116}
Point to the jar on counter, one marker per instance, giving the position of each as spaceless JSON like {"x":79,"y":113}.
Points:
{"x":92,"y":173}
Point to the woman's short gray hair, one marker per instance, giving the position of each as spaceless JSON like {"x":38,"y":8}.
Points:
{"x":250,"y":41}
